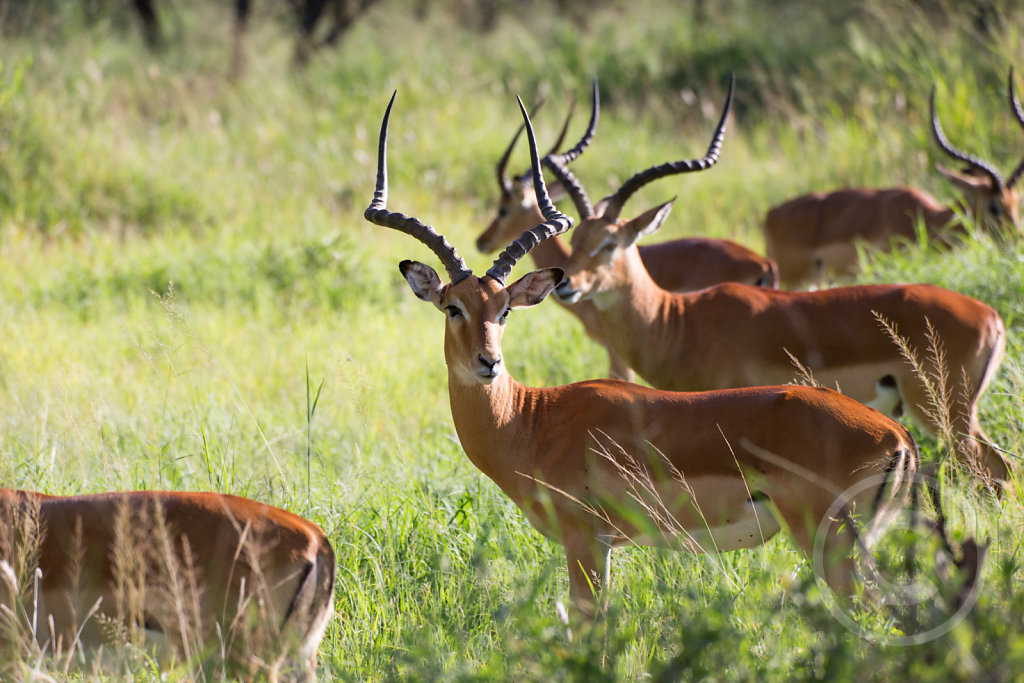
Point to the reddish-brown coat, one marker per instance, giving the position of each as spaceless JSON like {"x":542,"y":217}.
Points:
{"x":237,"y":548}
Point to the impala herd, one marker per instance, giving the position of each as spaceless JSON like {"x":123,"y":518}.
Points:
{"x":725,"y":448}
{"x":814,"y":238}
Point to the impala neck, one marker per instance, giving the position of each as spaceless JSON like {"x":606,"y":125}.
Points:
{"x":491,"y":425}
{"x":638,"y":313}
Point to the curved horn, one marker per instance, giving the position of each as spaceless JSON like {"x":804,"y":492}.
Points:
{"x":972,"y":161}
{"x":504,"y":182}
{"x":571,"y":155}
{"x":629,"y":188}
{"x":1014,"y":102}
{"x":1019,"y":113}
{"x":555,"y":222}
{"x":558,"y":163}
{"x":572,"y":186}
{"x":561,"y":134}
{"x":527,"y":176}
{"x":377,"y":214}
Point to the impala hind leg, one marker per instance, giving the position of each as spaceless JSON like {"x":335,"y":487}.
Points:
{"x":979,"y":446}
{"x":830,"y":547}
{"x":836,"y":528}
{"x":970,"y":442}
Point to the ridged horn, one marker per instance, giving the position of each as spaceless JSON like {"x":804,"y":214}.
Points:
{"x":558,"y":163}
{"x":615,"y":202}
{"x":378,"y":214}
{"x":1019,"y":113}
{"x":555,"y":222}
{"x":572,"y":186}
{"x":972,"y":161}
{"x":526,"y":176}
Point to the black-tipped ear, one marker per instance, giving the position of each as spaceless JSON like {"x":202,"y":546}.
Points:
{"x":967,"y":180}
{"x":423,"y":280}
{"x":558,"y":272}
{"x":530,"y":289}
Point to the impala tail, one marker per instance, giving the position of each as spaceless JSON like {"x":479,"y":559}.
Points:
{"x":312,"y":608}
{"x":770,"y":279}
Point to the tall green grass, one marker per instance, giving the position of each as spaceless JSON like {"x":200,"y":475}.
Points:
{"x":184,"y":257}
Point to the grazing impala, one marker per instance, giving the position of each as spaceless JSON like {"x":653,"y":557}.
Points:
{"x":709,"y":467}
{"x":196,"y":574}
{"x":815,"y":237}
{"x":680,"y":265}
{"x":735,"y":335}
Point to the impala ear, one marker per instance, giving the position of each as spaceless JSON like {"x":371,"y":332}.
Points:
{"x":969,"y":183}
{"x":556,"y":190}
{"x":530,"y":289}
{"x":646,"y":223}
{"x":424,"y":281}
{"x":519,"y":190}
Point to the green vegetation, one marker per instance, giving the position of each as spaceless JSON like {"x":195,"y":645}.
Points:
{"x":185,"y":262}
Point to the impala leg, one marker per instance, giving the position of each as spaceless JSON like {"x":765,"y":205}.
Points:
{"x":988,"y":457}
{"x":969,"y":440}
{"x":589,"y":563}
{"x":959,"y":416}
{"x":802,"y":518}
{"x":974,"y":443}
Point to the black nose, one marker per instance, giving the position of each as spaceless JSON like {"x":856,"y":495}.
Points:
{"x":564,"y":291}
{"x":487,"y":363}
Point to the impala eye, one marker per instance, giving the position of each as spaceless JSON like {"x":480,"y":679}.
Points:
{"x":502,"y":211}
{"x":504,"y":315}
{"x":994,"y":208}
{"x":606,"y":247}
{"x":454,"y":312}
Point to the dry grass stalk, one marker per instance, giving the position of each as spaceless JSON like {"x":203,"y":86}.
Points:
{"x":153,"y":609}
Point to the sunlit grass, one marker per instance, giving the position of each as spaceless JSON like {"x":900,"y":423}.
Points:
{"x":182,"y":251}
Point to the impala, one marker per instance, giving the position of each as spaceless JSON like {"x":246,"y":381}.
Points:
{"x":678,"y":265}
{"x":736,"y":335}
{"x":198,"y":574}
{"x":717,"y":464}
{"x":815,"y":236}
